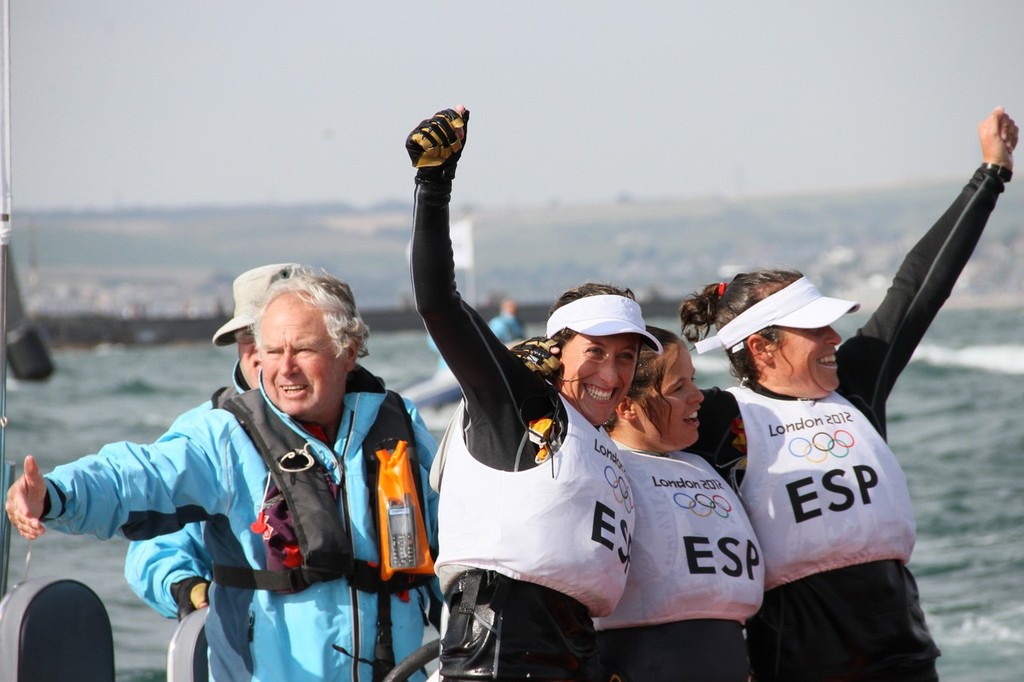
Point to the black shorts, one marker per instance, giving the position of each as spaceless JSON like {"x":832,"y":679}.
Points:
{"x":701,"y":650}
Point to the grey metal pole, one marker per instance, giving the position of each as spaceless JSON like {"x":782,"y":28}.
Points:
{"x":7,"y":478}
{"x":6,"y":471}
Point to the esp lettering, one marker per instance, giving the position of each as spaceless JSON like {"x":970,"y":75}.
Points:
{"x":841,"y":496}
{"x":700,"y":556}
{"x":603,"y":532}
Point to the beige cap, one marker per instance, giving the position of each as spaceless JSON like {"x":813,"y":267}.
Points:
{"x":248,"y":288}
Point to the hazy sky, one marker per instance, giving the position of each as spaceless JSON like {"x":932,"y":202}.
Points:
{"x":129,"y":103}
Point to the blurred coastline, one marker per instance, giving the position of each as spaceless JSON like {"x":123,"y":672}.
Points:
{"x":84,"y":330}
{"x":164,"y":275}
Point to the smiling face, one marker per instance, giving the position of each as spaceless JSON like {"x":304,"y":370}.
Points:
{"x":302,"y":374}
{"x":803,"y":363}
{"x":663,"y":419}
{"x":596,"y":373}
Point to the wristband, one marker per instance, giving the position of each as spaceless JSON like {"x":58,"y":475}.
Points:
{"x":1001,"y":172}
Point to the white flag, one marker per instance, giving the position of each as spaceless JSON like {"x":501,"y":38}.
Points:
{"x":462,"y":243}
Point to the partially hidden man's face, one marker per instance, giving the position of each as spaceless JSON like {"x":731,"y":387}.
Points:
{"x":248,"y":357}
{"x":302,"y":376}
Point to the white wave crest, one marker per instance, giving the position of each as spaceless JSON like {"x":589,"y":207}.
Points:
{"x":998,"y":359}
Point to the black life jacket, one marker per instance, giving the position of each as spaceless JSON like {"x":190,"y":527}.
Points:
{"x":323,"y":537}
{"x":222,"y":395}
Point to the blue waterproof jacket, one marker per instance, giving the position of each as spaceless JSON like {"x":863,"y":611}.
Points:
{"x":153,"y":566}
{"x":208,"y":470}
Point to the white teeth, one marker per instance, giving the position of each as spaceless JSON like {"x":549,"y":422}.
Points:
{"x":599,"y":394}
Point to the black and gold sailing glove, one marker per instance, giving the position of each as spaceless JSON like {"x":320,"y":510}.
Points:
{"x":536,"y":354}
{"x":436,"y":144}
{"x":190,"y":595}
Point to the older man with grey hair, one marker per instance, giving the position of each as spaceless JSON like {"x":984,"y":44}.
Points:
{"x":285,"y":479}
{"x":172,"y":573}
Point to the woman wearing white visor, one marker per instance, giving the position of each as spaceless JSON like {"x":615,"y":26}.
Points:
{"x":803,"y":441}
{"x":696,"y":573}
{"x":535,"y":515}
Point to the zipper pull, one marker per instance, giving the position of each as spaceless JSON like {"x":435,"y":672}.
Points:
{"x":259,"y":526}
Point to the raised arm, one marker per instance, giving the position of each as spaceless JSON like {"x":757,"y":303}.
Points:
{"x":873,"y":359}
{"x":494,"y":382}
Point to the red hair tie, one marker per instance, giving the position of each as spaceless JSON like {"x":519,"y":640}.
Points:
{"x":721,"y":289}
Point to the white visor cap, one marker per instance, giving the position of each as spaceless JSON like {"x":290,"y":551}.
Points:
{"x":602,"y":315}
{"x":799,"y":305}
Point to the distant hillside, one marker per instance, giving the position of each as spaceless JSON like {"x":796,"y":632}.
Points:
{"x":181,"y":262}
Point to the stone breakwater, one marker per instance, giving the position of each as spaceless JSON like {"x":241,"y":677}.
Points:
{"x":92,"y":330}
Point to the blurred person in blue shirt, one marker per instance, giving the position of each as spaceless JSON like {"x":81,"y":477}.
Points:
{"x":506,"y":325}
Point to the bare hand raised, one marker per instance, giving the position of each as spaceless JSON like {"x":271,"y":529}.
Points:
{"x":25,"y":501}
{"x":998,"y":136}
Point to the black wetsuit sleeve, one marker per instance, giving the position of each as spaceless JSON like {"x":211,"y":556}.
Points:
{"x":500,"y":392}
{"x":871,"y":361}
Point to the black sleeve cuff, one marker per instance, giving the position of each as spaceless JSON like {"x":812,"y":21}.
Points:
{"x":48,"y":504}
{"x":997,"y":171}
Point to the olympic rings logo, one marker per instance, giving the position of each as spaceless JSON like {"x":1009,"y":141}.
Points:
{"x":620,"y":488}
{"x":703,"y":505}
{"x":821,"y":445}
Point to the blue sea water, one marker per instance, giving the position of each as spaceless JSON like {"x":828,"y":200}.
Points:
{"x":954,"y":422}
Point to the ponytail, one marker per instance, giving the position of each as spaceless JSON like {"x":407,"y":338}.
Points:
{"x":718,"y":304}
{"x":698,"y":312}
